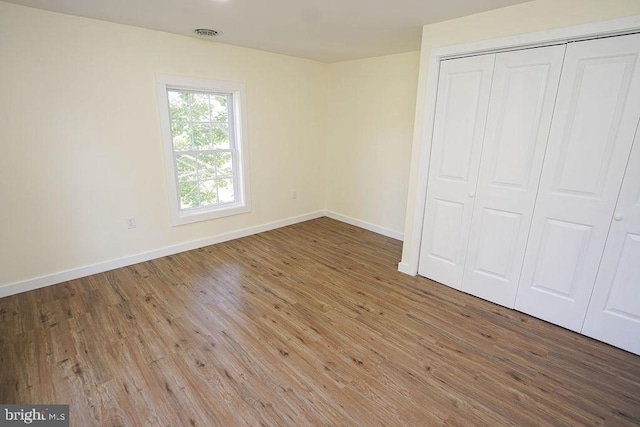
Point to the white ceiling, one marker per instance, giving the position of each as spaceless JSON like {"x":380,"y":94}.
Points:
{"x":327,"y":31}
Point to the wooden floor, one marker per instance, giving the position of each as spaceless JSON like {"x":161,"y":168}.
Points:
{"x":306,"y":325}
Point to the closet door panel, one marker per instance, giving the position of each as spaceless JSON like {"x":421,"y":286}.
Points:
{"x":523,"y":93}
{"x":591,"y":136}
{"x":613,"y":315}
{"x":461,"y":109}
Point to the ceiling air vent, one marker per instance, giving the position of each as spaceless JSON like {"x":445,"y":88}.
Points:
{"x":206,"y":32}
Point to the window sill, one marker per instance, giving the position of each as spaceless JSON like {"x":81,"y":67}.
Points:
{"x":197,"y":215}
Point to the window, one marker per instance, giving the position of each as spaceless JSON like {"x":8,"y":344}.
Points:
{"x":204,"y":148}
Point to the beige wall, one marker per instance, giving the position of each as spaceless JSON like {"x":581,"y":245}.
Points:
{"x":371,"y":105}
{"x":524,"y":18}
{"x":81,"y":142}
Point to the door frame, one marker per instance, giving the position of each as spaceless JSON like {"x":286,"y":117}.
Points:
{"x":427,"y":90}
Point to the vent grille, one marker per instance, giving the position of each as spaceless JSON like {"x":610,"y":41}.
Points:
{"x":206,"y":32}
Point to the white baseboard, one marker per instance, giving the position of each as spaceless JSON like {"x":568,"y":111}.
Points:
{"x":76,"y":273}
{"x":403,"y":267}
{"x":367,"y":226}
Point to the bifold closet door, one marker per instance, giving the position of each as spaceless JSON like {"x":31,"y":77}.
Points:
{"x":613,"y":315}
{"x":461,"y":112}
{"x":592,"y":132}
{"x":523,"y":93}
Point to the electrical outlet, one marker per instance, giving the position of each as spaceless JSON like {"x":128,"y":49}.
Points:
{"x":131,"y":223}
{"x":294,"y":195}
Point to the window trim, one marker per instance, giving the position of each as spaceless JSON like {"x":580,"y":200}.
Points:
{"x":180,"y":216}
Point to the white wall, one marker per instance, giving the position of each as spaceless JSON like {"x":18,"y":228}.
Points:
{"x":524,"y":18}
{"x":81,"y":142}
{"x":371,"y":106}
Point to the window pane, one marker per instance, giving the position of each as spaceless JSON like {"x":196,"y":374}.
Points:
{"x":189,"y":195}
{"x":225,"y":191}
{"x":206,"y":160}
{"x":186,"y":166}
{"x":179,"y":105}
{"x":219,"y":112}
{"x":208,"y":193}
{"x":206,"y":166}
{"x":200,"y":108}
{"x":220,"y":135}
{"x":201,"y":137}
{"x":224,"y":162}
{"x":181,"y":136}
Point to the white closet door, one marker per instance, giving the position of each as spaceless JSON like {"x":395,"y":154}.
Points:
{"x":591,"y":136}
{"x":461,"y":113}
{"x":523,"y":93}
{"x":614,"y":310}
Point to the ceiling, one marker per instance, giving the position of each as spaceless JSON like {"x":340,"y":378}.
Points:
{"x":326,"y":31}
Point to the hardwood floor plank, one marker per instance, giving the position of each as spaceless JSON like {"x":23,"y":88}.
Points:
{"x":305,"y":325}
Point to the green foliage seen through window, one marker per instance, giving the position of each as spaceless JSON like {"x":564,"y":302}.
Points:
{"x":203,"y":148}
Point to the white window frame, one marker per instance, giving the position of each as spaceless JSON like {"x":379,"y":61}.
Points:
{"x":180,"y":216}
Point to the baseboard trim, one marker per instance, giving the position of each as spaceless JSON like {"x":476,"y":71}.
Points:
{"x":403,"y":267}
{"x":367,"y":226}
{"x":52,"y":279}
{"x":76,"y":273}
